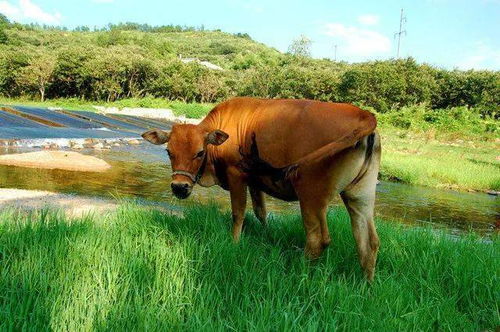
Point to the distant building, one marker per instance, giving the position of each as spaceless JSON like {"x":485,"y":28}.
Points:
{"x":207,"y":64}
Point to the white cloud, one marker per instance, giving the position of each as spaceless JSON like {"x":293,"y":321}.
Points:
{"x":357,"y":41}
{"x":482,"y":57}
{"x":9,"y":10}
{"x":27,"y":10}
{"x":368,"y":19}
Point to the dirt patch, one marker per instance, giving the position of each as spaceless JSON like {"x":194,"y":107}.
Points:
{"x":66,"y":160}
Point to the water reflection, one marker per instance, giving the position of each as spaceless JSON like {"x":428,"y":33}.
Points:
{"x":143,"y":172}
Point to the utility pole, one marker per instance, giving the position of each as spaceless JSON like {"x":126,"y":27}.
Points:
{"x":335,"y":53}
{"x":402,"y":20}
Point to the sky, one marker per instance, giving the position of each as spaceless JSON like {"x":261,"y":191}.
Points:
{"x":463,"y":34}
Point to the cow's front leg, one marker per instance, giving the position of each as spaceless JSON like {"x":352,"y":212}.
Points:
{"x":238,"y":191}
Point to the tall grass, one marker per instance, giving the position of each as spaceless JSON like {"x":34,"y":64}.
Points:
{"x":466,"y":165}
{"x":138,"y":269}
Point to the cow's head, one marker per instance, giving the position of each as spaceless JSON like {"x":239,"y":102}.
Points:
{"x":187,"y":150}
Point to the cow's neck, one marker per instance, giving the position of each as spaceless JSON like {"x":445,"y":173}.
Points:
{"x":209,"y":177}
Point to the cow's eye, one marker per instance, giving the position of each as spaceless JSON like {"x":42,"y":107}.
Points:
{"x":199,"y":154}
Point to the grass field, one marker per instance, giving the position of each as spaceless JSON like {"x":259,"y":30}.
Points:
{"x":453,"y":154}
{"x":144,"y":270}
{"x":460,"y":164}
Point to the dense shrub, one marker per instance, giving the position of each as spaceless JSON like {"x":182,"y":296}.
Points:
{"x":451,"y":120}
{"x":388,"y":85}
{"x":479,"y":89}
{"x":132,"y":60}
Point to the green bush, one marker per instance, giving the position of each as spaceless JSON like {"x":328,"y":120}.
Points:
{"x":460,"y":120}
{"x":132,"y":60}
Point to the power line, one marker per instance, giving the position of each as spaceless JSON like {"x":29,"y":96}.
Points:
{"x":402,"y":20}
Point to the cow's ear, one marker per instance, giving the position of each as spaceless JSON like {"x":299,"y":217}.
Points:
{"x":156,"y":136}
{"x":217,"y":137}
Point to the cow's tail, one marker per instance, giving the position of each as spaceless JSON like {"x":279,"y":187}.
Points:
{"x":370,"y":145}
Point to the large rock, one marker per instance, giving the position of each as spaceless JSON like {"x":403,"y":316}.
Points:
{"x":66,"y":160}
{"x":134,"y":142}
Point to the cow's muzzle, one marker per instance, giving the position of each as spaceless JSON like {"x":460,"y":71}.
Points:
{"x":181,"y":189}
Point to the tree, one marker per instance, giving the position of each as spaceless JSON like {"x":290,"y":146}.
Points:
{"x":4,"y":21}
{"x":210,"y":85}
{"x":301,"y":47}
{"x":3,"y":36}
{"x":4,"y":24}
{"x":39,"y":72}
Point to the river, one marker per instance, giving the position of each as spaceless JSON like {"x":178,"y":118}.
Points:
{"x":143,"y":172}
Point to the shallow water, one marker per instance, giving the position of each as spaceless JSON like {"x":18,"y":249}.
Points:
{"x":24,"y":123}
{"x":143,"y":172}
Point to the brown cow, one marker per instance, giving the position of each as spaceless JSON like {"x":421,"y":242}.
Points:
{"x":291,"y":149}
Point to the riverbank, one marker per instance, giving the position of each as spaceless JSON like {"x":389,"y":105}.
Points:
{"x":143,"y":269}
{"x":454,"y":154}
{"x":69,"y":205}
{"x":463,"y":164}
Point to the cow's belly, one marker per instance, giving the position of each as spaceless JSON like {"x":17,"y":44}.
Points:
{"x":281,"y":189}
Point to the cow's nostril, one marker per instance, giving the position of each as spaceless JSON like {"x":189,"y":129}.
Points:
{"x":181,"y":190}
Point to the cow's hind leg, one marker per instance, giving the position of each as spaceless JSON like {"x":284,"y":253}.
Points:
{"x":359,"y":201}
{"x":314,"y":198}
{"x":315,"y":225}
{"x":259,"y":204}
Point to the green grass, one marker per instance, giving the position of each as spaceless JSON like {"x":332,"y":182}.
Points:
{"x":138,"y":270}
{"x":67,"y":103}
{"x":189,"y":110}
{"x":459,"y":164}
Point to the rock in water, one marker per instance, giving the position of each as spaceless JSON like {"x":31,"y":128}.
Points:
{"x":98,"y":146}
{"x":66,"y":160}
{"x":134,"y":142}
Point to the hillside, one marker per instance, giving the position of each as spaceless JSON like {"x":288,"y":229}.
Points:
{"x":221,"y":48}
{"x":135,"y":61}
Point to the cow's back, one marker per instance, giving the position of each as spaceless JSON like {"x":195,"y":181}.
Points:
{"x":286,"y":129}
